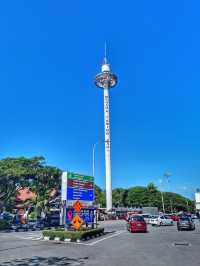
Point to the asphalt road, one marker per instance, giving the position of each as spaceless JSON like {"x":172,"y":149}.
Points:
{"x":159,"y":247}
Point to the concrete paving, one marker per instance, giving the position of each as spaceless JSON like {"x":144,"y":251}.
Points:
{"x":159,"y":247}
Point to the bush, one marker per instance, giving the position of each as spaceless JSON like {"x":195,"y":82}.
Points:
{"x":4,"y":224}
{"x":73,"y":235}
{"x":32,"y":215}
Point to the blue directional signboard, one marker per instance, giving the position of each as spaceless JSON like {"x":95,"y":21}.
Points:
{"x":77,"y":187}
{"x":74,"y":193}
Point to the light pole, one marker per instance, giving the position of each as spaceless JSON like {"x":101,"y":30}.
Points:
{"x":93,"y":156}
{"x":187,"y":206}
{"x":185,"y":188}
{"x":166,"y":176}
{"x":163,"y":204}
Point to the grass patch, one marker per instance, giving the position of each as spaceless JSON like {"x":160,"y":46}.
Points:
{"x":73,"y":235}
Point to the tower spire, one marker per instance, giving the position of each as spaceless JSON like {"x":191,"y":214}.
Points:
{"x":105,"y":66}
{"x":105,"y":53}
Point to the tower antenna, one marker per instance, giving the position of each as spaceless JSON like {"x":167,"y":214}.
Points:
{"x":105,"y":53}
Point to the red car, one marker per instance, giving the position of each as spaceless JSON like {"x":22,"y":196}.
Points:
{"x":175,"y":217}
{"x":137,"y":224}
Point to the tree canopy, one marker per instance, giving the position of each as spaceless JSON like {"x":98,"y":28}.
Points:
{"x":42,"y":178}
{"x":26,"y":172}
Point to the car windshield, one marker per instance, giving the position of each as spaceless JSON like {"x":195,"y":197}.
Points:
{"x":146,"y":215}
{"x":185,"y":219}
{"x":137,"y":218}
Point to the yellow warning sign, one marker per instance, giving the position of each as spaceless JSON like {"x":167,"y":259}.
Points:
{"x":77,"y":222}
{"x":77,"y":206}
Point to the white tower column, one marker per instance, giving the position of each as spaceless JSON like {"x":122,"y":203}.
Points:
{"x":107,"y":80}
{"x":107,"y":150}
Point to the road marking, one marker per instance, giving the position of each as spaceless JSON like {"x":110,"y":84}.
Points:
{"x":187,"y":244}
{"x":105,"y":238}
{"x":29,"y":237}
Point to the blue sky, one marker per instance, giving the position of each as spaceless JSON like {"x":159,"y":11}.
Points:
{"x":50,"y":52}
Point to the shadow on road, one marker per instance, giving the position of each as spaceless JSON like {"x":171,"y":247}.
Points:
{"x":41,"y":261}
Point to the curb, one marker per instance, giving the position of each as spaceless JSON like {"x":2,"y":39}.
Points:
{"x":27,"y":230}
{"x":58,"y":240}
{"x":68,"y":240}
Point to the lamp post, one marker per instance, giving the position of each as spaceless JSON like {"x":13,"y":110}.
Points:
{"x":93,"y":156}
{"x":185,"y":188}
{"x":163,"y":204}
{"x":165,"y":176}
{"x":187,"y":206}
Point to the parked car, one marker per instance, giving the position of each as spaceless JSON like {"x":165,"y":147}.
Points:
{"x":19,"y":227}
{"x":136,"y":224}
{"x":53,"y":218}
{"x":175,"y":217}
{"x":32,"y":224}
{"x":194,"y":216}
{"x":161,"y":220}
{"x":7,"y":216}
{"x":146,"y":217}
{"x":185,"y":223}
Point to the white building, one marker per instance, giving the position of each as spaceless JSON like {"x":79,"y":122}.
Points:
{"x":197,"y":199}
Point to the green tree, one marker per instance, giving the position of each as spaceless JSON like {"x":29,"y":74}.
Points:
{"x":13,"y":171}
{"x":118,"y":196}
{"x":152,"y":188}
{"x":100,"y":198}
{"x":27,"y":172}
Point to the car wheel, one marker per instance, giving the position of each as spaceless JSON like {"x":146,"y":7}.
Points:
{"x":179,"y":229}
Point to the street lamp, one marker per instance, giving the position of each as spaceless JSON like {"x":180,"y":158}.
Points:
{"x":185,"y":188}
{"x":166,"y":176}
{"x":162,"y":199}
{"x":93,"y":156}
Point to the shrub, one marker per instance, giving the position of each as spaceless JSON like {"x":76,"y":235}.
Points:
{"x":73,"y":235}
{"x":4,"y":224}
{"x":32,"y":215}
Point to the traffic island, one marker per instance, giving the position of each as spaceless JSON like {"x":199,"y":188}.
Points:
{"x":72,"y":236}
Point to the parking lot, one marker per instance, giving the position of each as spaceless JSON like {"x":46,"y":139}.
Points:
{"x":160,"y":246}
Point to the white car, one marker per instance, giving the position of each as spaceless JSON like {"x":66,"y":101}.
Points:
{"x":161,"y":220}
{"x":146,"y":217}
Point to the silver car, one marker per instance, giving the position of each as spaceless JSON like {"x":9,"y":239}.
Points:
{"x":185,"y":223}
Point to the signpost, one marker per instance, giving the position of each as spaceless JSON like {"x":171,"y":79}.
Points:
{"x":78,"y":193}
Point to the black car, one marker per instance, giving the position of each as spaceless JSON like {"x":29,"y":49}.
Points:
{"x":185,"y":223}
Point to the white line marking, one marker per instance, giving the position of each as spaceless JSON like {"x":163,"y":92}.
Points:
{"x":37,"y":238}
{"x":105,"y":238}
{"x":81,"y":243}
